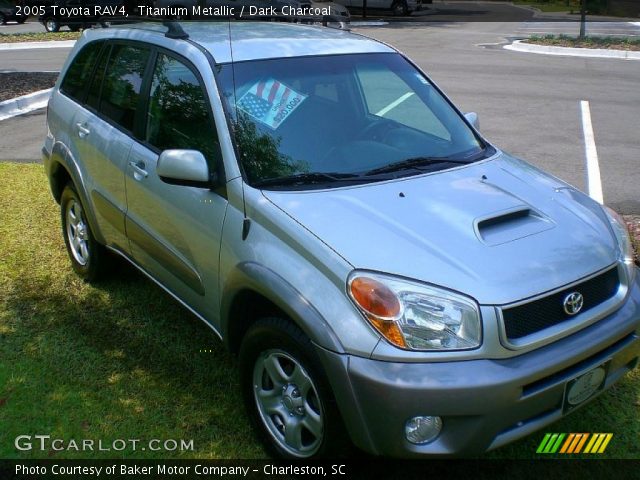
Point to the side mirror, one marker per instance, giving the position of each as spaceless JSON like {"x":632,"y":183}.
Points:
{"x":184,"y":167}
{"x":472,"y":118}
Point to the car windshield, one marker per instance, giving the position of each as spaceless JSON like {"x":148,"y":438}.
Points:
{"x":331,"y":120}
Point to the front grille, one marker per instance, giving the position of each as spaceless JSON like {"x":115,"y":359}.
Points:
{"x":545,"y":312}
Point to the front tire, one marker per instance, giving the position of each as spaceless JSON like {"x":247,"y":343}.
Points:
{"x":88,"y":257}
{"x":286,"y":392}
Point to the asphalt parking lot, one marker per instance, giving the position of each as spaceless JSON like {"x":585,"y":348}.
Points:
{"x":529,"y":105}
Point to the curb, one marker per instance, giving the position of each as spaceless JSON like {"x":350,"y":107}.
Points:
{"x":35,"y":45}
{"x":24,"y":104}
{"x":519,"y":46}
{"x":372,"y":23}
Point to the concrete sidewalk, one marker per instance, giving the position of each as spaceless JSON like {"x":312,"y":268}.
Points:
{"x":37,"y":45}
{"x":521,"y":46}
{"x":24,"y":104}
{"x":21,"y":138}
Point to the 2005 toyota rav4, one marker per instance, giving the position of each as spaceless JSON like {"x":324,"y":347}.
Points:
{"x":376,"y":264}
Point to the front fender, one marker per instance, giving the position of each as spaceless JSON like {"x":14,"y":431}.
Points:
{"x":264,"y":281}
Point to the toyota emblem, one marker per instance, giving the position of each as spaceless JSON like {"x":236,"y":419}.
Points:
{"x":573,"y":303}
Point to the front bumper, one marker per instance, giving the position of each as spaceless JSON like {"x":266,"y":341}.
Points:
{"x":483,"y":403}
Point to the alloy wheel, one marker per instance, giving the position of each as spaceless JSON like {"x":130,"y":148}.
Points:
{"x":77,"y":232}
{"x":288,"y":403}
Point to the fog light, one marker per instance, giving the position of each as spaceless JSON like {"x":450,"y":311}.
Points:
{"x":421,"y":430}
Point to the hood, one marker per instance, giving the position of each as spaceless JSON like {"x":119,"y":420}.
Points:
{"x":499,"y":231}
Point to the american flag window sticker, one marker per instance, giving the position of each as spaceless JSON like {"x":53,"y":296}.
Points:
{"x":270,"y":102}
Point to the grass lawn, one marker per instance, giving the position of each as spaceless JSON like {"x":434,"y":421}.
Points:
{"x":121,"y":360}
{"x":613,"y":43}
{"x":118,"y":360}
{"x":38,"y":36}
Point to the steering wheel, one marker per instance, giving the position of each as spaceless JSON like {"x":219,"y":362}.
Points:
{"x":375,"y":130}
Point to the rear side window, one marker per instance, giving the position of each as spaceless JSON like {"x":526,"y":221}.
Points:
{"x":80,"y":70}
{"x":93,"y":97}
{"x":120,"y":92}
{"x":178,"y":115}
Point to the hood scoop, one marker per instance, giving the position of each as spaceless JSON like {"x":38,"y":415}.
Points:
{"x":509,"y":225}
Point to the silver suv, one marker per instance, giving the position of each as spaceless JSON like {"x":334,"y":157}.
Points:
{"x":379,"y":267}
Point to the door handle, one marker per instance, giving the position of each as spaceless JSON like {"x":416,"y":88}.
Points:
{"x":82,"y":130}
{"x":138,"y":170}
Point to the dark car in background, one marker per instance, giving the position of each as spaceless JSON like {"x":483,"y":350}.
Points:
{"x":77,"y":14}
{"x":10,"y":11}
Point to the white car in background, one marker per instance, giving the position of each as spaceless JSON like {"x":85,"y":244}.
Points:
{"x":337,"y":11}
{"x":397,"y":7}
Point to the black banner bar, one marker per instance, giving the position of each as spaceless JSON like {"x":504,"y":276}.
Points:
{"x":373,"y":468}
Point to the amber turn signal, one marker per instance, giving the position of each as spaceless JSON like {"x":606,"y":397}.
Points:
{"x":380,"y":305}
{"x":389,"y":330}
{"x":375,"y":298}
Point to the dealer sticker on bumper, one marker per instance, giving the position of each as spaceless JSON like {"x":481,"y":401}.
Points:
{"x":585,"y":386}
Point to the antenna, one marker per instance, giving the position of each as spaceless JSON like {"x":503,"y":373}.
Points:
{"x":174,"y":30}
{"x":246,"y":224}
{"x":233,"y":67}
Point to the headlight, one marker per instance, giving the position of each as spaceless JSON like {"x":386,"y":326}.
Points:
{"x":624,"y":241}
{"x":414,"y":316}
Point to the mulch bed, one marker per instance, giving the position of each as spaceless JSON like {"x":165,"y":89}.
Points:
{"x":630,"y":46}
{"x":15,"y":84}
{"x":633,"y":223}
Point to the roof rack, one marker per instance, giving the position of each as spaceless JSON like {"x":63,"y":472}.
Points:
{"x":174,"y":29}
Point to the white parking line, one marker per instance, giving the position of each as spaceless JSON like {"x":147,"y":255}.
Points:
{"x":393,"y":104}
{"x":594,"y":181}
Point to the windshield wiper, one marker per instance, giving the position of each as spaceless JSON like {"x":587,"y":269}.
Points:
{"x":310,"y":179}
{"x":416,"y":163}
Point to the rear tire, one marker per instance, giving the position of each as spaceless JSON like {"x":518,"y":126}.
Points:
{"x":3,"y":20}
{"x":88,"y":257}
{"x":286,"y":393}
{"x":51,"y":25}
{"x":400,"y":8}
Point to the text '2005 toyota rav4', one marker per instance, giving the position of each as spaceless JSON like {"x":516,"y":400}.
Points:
{"x":378,"y":266}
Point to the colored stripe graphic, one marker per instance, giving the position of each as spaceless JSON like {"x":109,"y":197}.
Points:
{"x":578,"y":442}
{"x":598,"y":443}
{"x":567,"y":444}
{"x":583,"y":440}
{"x":573,"y":443}
{"x":543,"y":443}
{"x":550,"y":443}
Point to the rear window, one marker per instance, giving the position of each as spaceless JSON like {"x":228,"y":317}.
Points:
{"x":80,"y":71}
{"x":120,"y":93}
